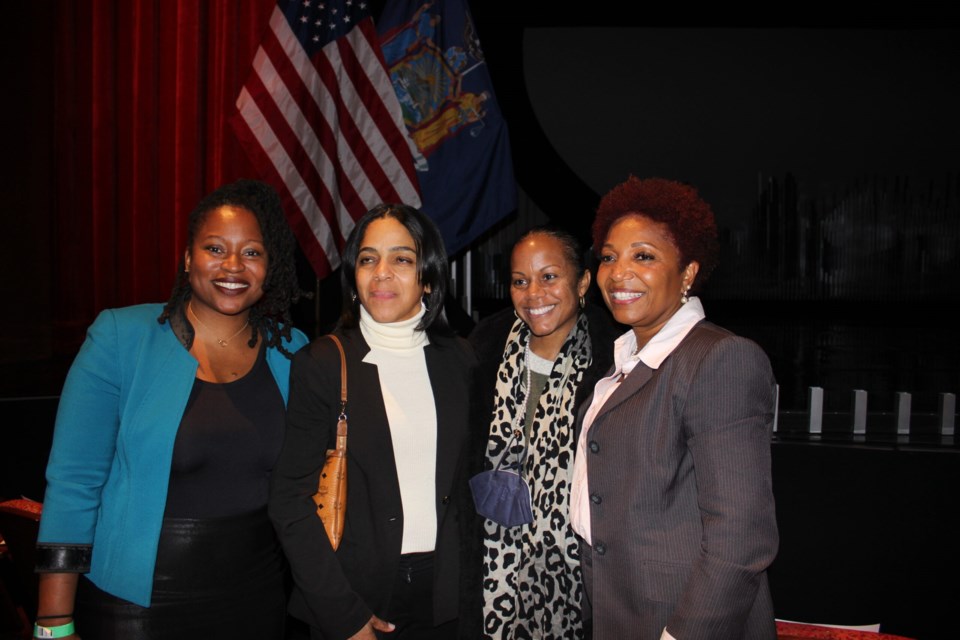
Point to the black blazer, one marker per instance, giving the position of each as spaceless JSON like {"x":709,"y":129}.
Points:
{"x":336,"y":592}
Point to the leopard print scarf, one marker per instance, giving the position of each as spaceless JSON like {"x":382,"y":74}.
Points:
{"x":532,"y":585}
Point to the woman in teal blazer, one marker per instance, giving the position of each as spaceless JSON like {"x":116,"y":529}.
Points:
{"x":169,"y":423}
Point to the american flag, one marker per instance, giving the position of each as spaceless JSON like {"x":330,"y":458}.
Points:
{"x":320,"y":120}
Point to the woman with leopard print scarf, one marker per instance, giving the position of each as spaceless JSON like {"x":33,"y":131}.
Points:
{"x":537,"y":364}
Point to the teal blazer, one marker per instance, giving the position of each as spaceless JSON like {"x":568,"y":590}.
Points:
{"x":109,"y":466}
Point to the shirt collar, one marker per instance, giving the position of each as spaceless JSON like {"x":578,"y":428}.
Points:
{"x":660,"y":345}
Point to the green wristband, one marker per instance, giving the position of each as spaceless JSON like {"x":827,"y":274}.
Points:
{"x":61,"y":631}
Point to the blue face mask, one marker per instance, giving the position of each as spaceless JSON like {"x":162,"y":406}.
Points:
{"x":502,"y":495}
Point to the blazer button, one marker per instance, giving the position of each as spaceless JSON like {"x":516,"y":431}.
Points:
{"x":393,"y":519}
{"x":599,"y":548}
{"x":595,"y":499}
{"x":594,"y":446}
{"x":446,"y":500}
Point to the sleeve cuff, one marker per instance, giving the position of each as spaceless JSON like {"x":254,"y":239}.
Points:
{"x":63,"y":558}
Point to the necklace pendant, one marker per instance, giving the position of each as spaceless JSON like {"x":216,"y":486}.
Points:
{"x":221,"y":342}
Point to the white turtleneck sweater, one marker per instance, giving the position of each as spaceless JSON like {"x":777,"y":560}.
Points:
{"x":397,"y":351}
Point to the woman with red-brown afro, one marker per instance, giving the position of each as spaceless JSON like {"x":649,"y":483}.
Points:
{"x":671,"y":491}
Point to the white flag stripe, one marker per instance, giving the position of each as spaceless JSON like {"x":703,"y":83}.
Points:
{"x":319,"y":130}
{"x":326,"y":103}
{"x":388,"y":96}
{"x":288,"y":174}
{"x":352,"y":166}
{"x":372,"y":68}
{"x":343,"y":154}
{"x":307,"y":138}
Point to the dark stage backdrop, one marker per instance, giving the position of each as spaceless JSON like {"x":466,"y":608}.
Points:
{"x":830,"y":156}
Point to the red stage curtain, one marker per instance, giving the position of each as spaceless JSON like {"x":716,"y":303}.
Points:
{"x":143,"y":92}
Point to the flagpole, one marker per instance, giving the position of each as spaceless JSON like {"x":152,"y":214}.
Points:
{"x":316,"y":307}
{"x":467,"y":282}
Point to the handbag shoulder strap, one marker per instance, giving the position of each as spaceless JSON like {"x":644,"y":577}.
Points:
{"x":343,"y":376}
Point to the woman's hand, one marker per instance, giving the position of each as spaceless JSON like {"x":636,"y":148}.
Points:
{"x":367,"y":632}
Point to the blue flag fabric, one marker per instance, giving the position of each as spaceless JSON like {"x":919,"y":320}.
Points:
{"x":438,"y":71}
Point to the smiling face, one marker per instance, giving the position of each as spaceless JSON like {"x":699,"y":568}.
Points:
{"x":640,"y":275}
{"x":227,"y":263}
{"x":545,"y":290}
{"x":388,"y":283}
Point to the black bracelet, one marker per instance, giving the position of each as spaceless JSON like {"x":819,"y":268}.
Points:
{"x":66,"y":615}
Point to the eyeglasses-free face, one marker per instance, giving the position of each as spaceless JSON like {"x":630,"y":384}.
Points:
{"x":640,"y":275}
{"x":387,"y":277}
{"x":545,"y":290}
{"x":227,"y":264}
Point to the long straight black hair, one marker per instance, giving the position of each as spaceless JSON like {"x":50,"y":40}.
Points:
{"x":433,"y":269}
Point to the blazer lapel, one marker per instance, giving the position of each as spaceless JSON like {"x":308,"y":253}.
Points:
{"x":640,"y":376}
{"x":450,"y":427}
{"x":167,"y":371}
{"x":368,"y":436}
{"x":635,"y":381}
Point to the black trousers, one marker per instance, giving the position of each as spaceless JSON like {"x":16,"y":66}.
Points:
{"x":411,"y":604}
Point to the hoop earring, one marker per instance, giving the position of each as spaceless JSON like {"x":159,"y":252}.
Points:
{"x":354,"y":297}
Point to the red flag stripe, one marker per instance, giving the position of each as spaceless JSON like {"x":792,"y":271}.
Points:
{"x":309,"y":242}
{"x":327,"y":130}
{"x":330,"y":84}
{"x":389,"y":120}
{"x":291,"y":179}
{"x":360,"y":136}
{"x":313,"y":133}
{"x":298,"y":163}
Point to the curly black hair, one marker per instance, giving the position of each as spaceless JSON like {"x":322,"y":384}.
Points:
{"x":271,"y":313}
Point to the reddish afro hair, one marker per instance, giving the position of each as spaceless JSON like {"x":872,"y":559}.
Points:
{"x":676,"y":205}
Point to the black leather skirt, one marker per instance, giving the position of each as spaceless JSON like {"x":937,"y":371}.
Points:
{"x":215,"y":578}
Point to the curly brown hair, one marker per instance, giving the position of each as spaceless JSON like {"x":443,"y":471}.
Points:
{"x":677,"y":206}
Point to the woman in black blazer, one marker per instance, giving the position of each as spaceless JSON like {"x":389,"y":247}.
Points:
{"x":397,"y":567}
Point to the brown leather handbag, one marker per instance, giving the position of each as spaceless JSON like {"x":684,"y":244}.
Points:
{"x":331,"y":495}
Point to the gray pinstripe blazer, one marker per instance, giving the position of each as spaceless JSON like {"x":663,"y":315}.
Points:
{"x":682,"y":512}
